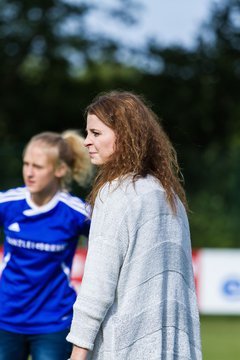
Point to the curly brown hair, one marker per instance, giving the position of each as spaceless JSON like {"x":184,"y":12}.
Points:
{"x":142,"y":146}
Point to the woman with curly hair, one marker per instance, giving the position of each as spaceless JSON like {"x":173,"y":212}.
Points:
{"x":137,"y":299}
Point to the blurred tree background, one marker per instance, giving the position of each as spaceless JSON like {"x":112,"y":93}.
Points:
{"x":51,"y":68}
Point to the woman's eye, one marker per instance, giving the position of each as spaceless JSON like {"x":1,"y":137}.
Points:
{"x":95,"y":133}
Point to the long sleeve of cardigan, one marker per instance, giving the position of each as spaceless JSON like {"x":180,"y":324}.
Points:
{"x":103,"y":263}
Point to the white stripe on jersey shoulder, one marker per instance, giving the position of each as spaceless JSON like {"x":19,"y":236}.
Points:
{"x":75,"y":203}
{"x":13,"y":194}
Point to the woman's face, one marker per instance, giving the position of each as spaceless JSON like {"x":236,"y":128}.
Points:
{"x":100,"y":140}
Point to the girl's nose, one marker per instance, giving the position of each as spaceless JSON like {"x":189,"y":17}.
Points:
{"x":29,"y":171}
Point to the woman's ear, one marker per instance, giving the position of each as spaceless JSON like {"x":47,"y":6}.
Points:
{"x":61,"y":170}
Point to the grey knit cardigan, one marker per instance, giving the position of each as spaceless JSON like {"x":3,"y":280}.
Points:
{"x":137,"y":300}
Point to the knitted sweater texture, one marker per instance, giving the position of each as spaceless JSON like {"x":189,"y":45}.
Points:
{"x":137,"y":300}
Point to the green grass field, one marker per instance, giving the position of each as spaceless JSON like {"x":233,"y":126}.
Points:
{"x":220,"y":337}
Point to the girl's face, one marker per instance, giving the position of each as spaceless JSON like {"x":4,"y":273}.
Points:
{"x":40,"y":173}
{"x":100,"y":140}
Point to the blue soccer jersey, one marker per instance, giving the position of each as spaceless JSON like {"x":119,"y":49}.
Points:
{"x":36,"y":295}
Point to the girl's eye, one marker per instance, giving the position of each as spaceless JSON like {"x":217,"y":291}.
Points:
{"x":95,"y":133}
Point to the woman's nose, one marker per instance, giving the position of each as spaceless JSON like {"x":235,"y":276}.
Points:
{"x":87,"y":141}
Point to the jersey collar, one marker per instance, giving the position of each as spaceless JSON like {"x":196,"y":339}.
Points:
{"x":36,"y":210}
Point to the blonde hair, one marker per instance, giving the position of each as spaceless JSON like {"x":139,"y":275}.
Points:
{"x":142,"y":146}
{"x":72,"y":152}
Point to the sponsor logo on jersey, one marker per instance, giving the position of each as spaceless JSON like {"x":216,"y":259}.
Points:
{"x":27,"y":244}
